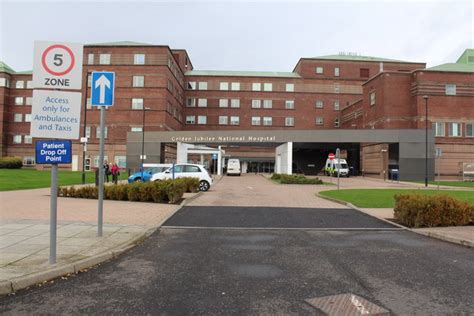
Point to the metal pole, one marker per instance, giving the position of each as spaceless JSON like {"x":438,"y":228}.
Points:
{"x":439,"y":156}
{"x":143,"y":140}
{"x":338,"y":156}
{"x":84,"y":132}
{"x":101,"y":172}
{"x":53,"y":215}
{"x":426,"y":140}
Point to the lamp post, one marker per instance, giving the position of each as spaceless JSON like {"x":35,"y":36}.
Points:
{"x":142,"y":157}
{"x":84,"y":144}
{"x":426,"y":140}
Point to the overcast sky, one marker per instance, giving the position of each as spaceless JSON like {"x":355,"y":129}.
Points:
{"x":250,"y":35}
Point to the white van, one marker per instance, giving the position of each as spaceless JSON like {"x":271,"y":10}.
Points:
{"x":233,"y":167}
{"x":334,"y":166}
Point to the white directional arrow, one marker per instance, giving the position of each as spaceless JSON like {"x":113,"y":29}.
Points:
{"x":102,"y":83}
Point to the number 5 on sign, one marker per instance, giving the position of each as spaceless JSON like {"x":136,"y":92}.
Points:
{"x":57,"y":65}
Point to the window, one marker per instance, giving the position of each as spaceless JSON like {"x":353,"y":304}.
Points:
{"x":454,"y":129}
{"x":16,"y":139}
{"x":136,"y":129}
{"x":336,"y":105}
{"x":289,"y":121}
{"x":190,"y":119}
{"x":28,"y":139}
{"x":202,"y":103}
{"x":96,"y":160}
{"x":289,"y":104}
{"x":336,"y":72}
{"x":202,"y":85}
{"x":267,"y":104}
{"x":439,"y":128}
{"x":138,"y":81}
{"x":256,"y":104}
{"x":3,"y":82}
{"x":29,"y":100}
{"x":97,"y":132}
{"x":336,"y":88}
{"x":88,"y":104}
{"x":469,"y":129}
{"x":223,"y":103}
{"x":191,"y":169}
{"x":191,"y":85}
{"x":28,"y":160}
{"x":319,"y":70}
{"x":139,"y":59}
{"x":89,"y":81}
{"x":319,"y":104}
{"x":319,"y":120}
{"x":29,"y":84}
{"x":364,"y":72}
{"x":336,"y":122}
{"x":224,"y":86}
{"x":88,"y":132}
{"x":90,"y":59}
{"x":27,"y":117}
{"x":18,"y":100}
{"x":256,"y":86}
{"x":450,"y":89}
{"x":267,"y":120}
{"x":20,"y":84}
{"x":18,"y":117}
{"x":121,"y":161}
{"x":223,"y":120}
{"x":255,"y":120}
{"x":235,"y":103}
{"x":234,"y":120}
{"x":137,"y":104}
{"x":190,"y":102}
{"x":202,"y":119}
{"x":289,"y":87}
{"x":104,"y":59}
{"x":267,"y":87}
{"x":372,"y":98}
{"x":235,"y":86}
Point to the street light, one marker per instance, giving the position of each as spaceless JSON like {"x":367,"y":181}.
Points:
{"x":143,"y":140}
{"x":84,"y":144}
{"x":426,"y":140}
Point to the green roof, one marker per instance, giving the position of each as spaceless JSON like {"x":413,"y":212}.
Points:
{"x":223,"y":73}
{"x":453,"y":67}
{"x":5,"y":68}
{"x":26,"y":72}
{"x":121,"y":43}
{"x":360,"y":58}
{"x":467,"y":57}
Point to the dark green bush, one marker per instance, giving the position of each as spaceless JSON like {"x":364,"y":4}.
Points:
{"x":417,"y":210}
{"x":295,"y":179}
{"x":159,"y":192}
{"x":190,"y":184}
{"x":10,"y":163}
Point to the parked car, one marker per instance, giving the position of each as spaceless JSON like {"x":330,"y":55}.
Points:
{"x":149,"y":170}
{"x":186,"y":170}
{"x":233,"y":167}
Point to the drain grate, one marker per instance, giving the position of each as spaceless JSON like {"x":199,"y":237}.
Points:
{"x":346,"y":304}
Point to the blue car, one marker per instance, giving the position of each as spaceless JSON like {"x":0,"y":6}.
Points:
{"x":148,"y":173}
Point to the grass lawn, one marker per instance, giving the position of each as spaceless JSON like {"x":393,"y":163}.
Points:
{"x":21,"y":179}
{"x":466,"y":184}
{"x":383,"y":198}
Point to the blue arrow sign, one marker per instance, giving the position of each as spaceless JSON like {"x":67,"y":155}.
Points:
{"x":102,"y":88}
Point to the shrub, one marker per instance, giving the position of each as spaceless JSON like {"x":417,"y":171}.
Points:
{"x":276,"y":176}
{"x":10,"y":163}
{"x":174,"y":190}
{"x":134,"y":191}
{"x":146,"y":192}
{"x":416,"y":210}
{"x":159,"y":195}
{"x":295,"y":179}
{"x":190,"y":184}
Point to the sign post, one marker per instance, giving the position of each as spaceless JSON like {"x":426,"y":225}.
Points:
{"x":102,"y":95}
{"x":439,"y":153}
{"x":338,"y":157}
{"x":55,"y":114}
{"x":330,"y":157}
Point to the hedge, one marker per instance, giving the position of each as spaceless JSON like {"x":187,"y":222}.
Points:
{"x":167,"y":191}
{"x":10,"y":163}
{"x":417,"y":210}
{"x":295,"y":179}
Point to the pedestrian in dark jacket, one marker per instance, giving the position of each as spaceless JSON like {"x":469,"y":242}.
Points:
{"x":106,"y":171}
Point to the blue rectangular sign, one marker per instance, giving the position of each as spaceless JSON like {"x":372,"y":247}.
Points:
{"x":53,"y":151}
{"x":102,"y":88}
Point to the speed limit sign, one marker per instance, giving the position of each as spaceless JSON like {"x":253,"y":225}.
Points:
{"x":57,"y":65}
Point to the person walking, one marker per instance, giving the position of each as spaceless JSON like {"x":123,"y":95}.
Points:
{"x":115,"y":173}
{"x":106,"y":171}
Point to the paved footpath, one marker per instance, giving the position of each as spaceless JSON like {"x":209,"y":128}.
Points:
{"x":24,"y":234}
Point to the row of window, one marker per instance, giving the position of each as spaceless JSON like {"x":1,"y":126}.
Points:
{"x":104,"y":59}
{"x":256,"y":104}
{"x":454,"y":129}
{"x":21,"y":100}
{"x":320,"y":70}
{"x":255,"y":120}
{"x":235,"y":86}
{"x":18,"y":118}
